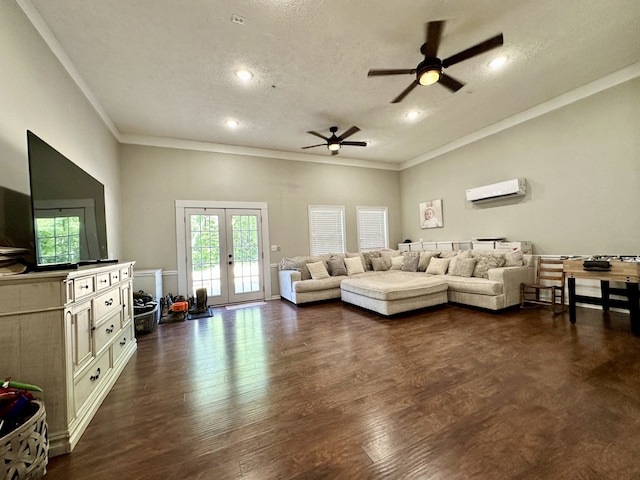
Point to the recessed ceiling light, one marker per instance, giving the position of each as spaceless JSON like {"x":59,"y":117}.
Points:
{"x":413,"y":115}
{"x":244,"y":75}
{"x":232,"y":123}
{"x":497,"y":62}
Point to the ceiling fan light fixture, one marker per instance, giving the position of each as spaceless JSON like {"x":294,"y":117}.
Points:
{"x":497,"y":62}
{"x":244,"y":75}
{"x":429,"y":77}
{"x":333,"y":146}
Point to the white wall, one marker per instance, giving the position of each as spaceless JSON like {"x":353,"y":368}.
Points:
{"x":582,"y":165}
{"x":37,"y":94}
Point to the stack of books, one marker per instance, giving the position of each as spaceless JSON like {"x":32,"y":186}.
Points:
{"x":11,"y":260}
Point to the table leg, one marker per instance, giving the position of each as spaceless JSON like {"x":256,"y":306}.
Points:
{"x":572,"y":299}
{"x":634,"y":307}
{"x":604,"y":290}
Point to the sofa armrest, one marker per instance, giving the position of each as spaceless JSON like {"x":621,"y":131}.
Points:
{"x":511,"y":278}
{"x":286,"y":279}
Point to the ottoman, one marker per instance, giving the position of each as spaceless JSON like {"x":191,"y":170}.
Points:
{"x":394,"y":292}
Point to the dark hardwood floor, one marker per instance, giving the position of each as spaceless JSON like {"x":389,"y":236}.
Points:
{"x":331,"y":391}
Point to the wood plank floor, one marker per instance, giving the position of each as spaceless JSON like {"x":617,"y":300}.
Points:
{"x":330,"y":391}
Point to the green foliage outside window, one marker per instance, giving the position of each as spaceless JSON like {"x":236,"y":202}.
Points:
{"x":58,"y":239}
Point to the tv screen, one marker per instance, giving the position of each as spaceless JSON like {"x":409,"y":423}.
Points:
{"x":68,"y":209}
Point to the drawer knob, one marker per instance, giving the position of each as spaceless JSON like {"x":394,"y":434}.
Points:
{"x":93,"y":378}
{"x":108,"y":303}
{"x":124,"y":340}
{"x":84,"y":287}
{"x":110,"y":329}
{"x":104,"y":281}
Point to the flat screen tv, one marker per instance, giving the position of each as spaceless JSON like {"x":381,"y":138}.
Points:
{"x":68,"y":209}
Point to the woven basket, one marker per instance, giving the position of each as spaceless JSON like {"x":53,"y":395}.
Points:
{"x":146,"y":322}
{"x":24,"y":452}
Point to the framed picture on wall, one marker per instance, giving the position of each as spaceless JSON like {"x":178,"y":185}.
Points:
{"x":431,"y":214}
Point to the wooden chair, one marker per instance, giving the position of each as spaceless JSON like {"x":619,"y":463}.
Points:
{"x":549,"y":279}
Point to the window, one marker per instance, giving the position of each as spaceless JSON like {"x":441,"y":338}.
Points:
{"x":372,"y":228}
{"x":58,"y":239}
{"x":326,"y":229}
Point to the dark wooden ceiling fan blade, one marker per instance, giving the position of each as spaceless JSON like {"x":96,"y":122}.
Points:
{"x":405,"y":71}
{"x":406,"y":92}
{"x":433,"y":36}
{"x":450,"y":82}
{"x":319,"y":145}
{"x":355,"y":144}
{"x":482,"y":47}
{"x":348,"y":133}
{"x":335,"y":152}
{"x":319,"y":135}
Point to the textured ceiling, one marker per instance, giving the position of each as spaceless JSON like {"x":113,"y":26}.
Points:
{"x":162,"y":68}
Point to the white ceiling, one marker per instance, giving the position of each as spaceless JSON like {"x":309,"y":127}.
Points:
{"x":164,"y":68}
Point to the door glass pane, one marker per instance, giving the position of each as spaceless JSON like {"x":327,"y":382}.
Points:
{"x":246,"y":265}
{"x":205,"y":253}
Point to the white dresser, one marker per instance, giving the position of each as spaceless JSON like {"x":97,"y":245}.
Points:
{"x":71,"y":333}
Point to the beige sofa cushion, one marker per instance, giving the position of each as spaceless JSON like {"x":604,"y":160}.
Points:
{"x":354,"y":265}
{"x":317,"y":270}
{"x":425,"y":258}
{"x":475,"y":285}
{"x":438,"y":266}
{"x":485,"y":262}
{"x":462,"y":267}
{"x":394,"y":285}
{"x":314,"y":285}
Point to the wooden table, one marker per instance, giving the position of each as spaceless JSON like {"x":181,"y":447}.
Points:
{"x":624,"y":272}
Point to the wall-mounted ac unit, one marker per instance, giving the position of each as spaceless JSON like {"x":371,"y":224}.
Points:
{"x":509,"y":188}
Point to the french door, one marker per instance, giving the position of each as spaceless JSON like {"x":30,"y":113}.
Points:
{"x":224,"y":254}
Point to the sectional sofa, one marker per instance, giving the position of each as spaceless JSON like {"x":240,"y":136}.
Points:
{"x":488,"y":279}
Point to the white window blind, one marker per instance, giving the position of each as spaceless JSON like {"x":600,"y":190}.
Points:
{"x":372,"y":228}
{"x":326,"y":229}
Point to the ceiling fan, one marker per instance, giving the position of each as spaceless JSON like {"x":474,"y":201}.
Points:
{"x":335,"y":142}
{"x":431,"y":69}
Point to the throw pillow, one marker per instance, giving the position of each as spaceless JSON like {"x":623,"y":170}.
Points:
{"x":487,"y":262}
{"x":336,"y":266}
{"x":287,"y":264}
{"x":410,"y":262}
{"x":296,"y":263}
{"x":317,"y":270}
{"x":354,"y":265}
{"x":425,"y":257}
{"x":379,"y":264}
{"x":461,"y":267}
{"x":438,"y":266}
{"x":448,"y":254}
{"x":396,"y":262}
{"x":387,"y":255}
{"x":513,"y":259}
{"x":368,"y":256}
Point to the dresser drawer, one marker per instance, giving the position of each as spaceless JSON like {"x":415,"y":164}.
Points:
{"x":115,"y":277}
{"x":107,"y":303}
{"x":90,"y":380}
{"x":125,"y":273}
{"x":103,"y":280}
{"x":125,"y":338}
{"x":83,"y":287}
{"x":106,"y":331}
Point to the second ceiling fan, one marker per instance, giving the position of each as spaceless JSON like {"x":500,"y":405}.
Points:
{"x":335,"y":142}
{"x":431,"y":69}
